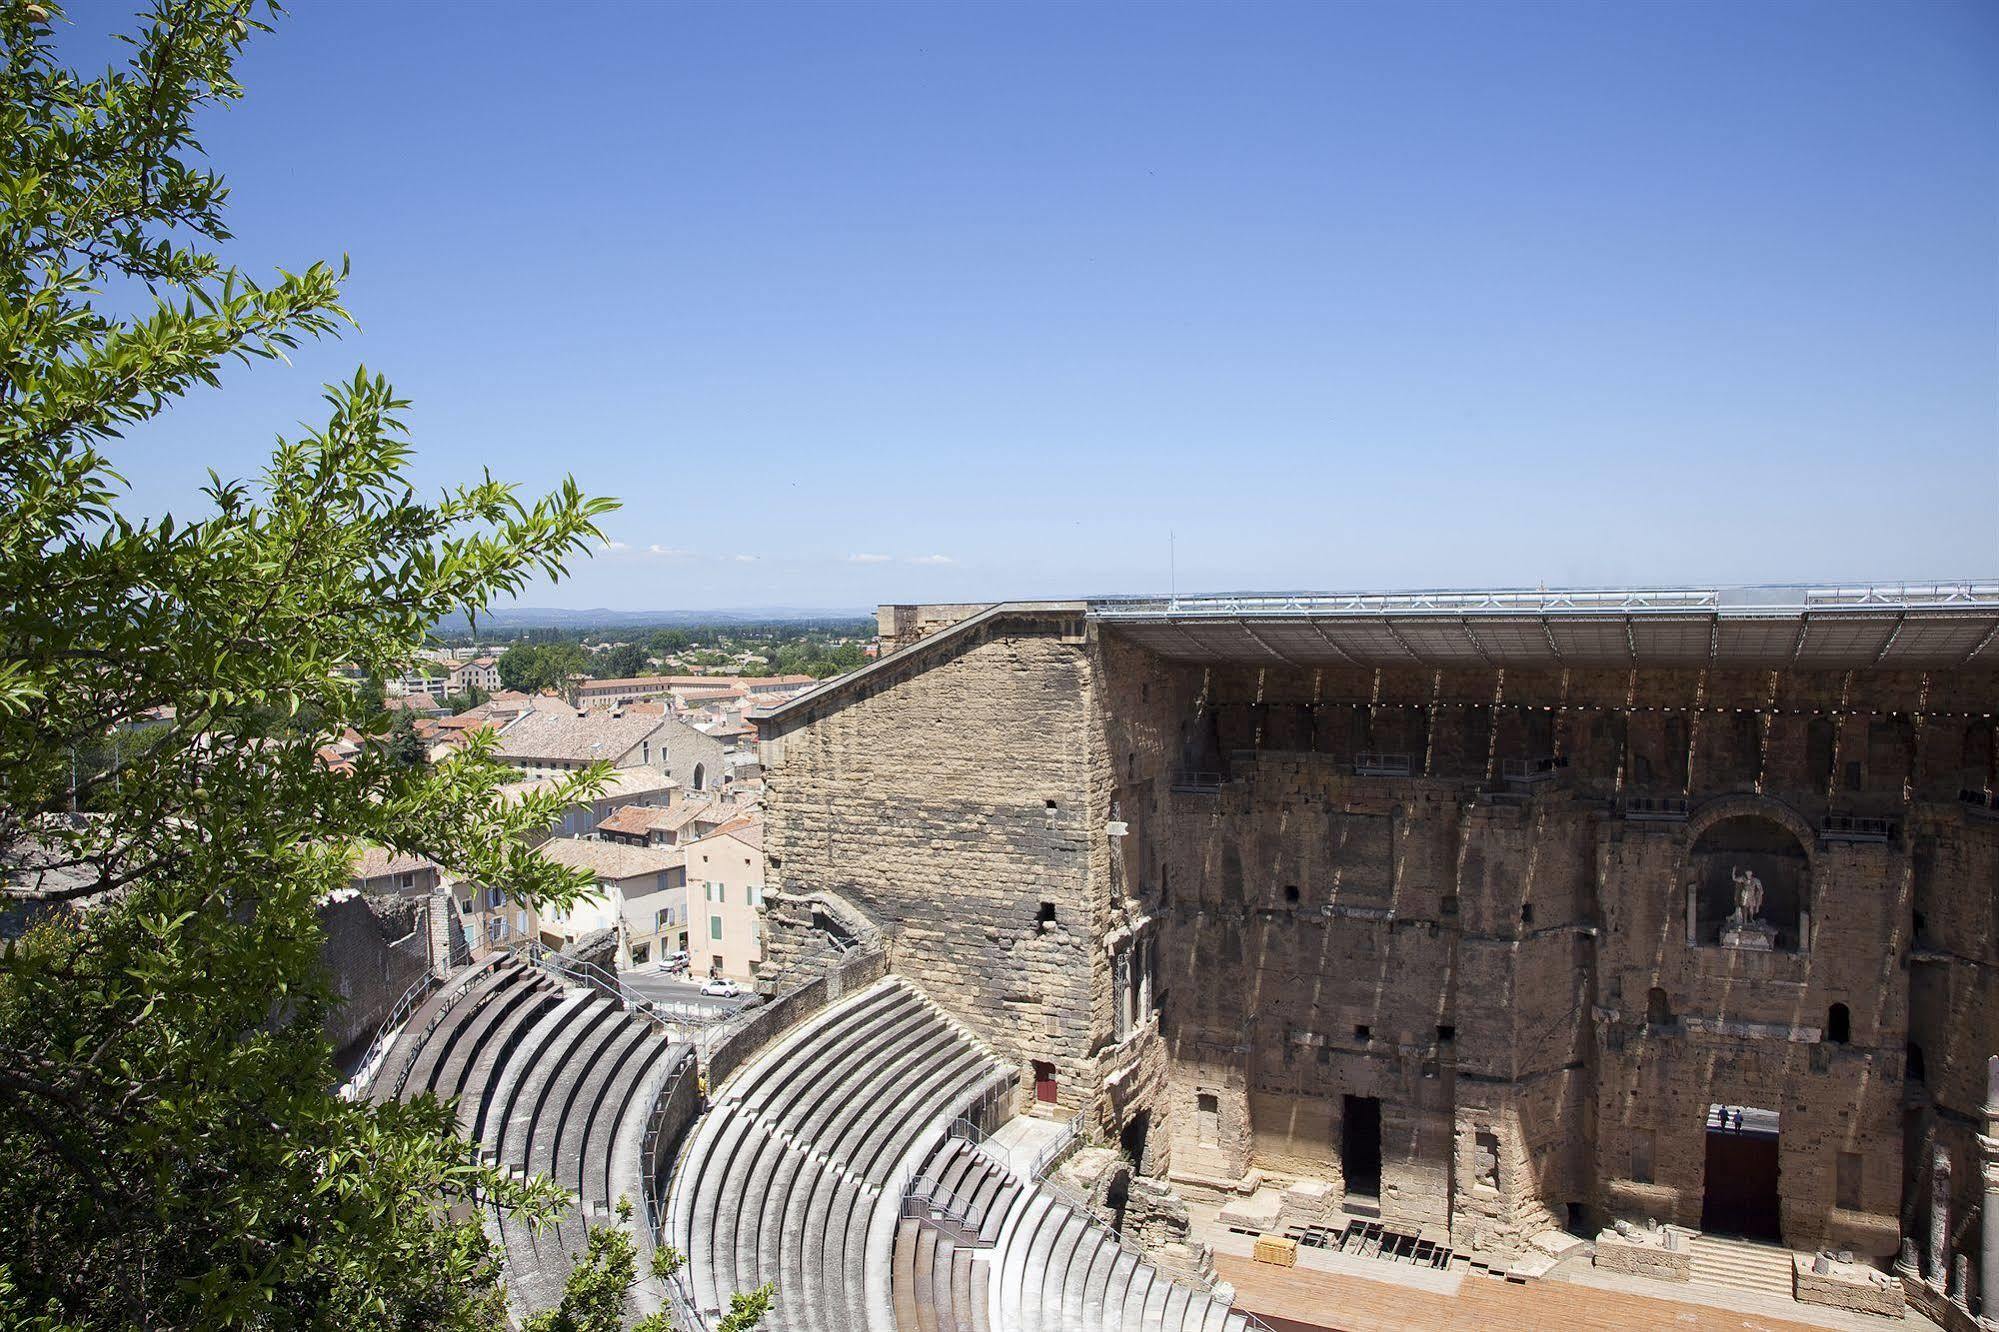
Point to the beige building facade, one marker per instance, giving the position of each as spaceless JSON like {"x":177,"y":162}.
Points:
{"x":725,"y":890}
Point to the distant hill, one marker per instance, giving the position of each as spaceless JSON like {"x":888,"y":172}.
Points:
{"x":555,"y":617}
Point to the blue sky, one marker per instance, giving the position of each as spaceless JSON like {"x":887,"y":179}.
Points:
{"x":936,"y":302}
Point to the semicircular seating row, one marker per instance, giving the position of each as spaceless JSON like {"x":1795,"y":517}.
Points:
{"x":1013,"y":1255}
{"x":551,"y":1080}
{"x":795,"y":1176}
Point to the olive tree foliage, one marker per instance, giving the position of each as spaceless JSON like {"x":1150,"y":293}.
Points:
{"x":173,"y":1153}
{"x":598,"y":1287}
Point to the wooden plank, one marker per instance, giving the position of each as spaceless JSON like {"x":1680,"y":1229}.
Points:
{"x":1303,"y":1299}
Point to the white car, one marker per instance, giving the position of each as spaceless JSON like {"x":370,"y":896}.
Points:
{"x":721,"y":987}
{"x":674,"y":961}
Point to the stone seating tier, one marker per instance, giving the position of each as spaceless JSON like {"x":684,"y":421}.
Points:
{"x":795,"y":1176}
{"x":549,"y":1080}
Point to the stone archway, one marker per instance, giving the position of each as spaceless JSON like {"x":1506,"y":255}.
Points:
{"x":1754,"y":851}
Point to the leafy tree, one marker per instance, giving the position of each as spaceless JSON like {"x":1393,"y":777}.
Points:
{"x":533,"y":667}
{"x":599,"y":1285}
{"x":405,"y":747}
{"x":668,"y":641}
{"x":465,"y":702}
{"x":620,"y":663}
{"x":173,"y":1154}
{"x":520,"y":668}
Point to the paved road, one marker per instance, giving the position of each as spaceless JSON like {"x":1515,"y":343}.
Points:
{"x":656,"y":984}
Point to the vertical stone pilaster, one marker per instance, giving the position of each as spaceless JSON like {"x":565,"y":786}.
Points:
{"x":1939,"y":1267}
{"x":1988,"y":1150}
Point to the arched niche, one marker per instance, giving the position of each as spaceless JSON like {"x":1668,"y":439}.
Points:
{"x":1740,"y":841}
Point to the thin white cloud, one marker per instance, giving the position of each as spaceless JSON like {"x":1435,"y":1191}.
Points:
{"x":931,"y":559}
{"x":615,"y":545}
{"x":869,"y":559}
{"x":669,"y":552}
{"x":744,"y":559}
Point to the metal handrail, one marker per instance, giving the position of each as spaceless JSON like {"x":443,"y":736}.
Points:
{"x":1053,"y":1150}
{"x":685,"y":1314}
{"x":1383,"y":765}
{"x":607,"y":983}
{"x":1531,"y":769}
{"x":385,"y":1035}
{"x":928,"y":1202}
{"x":1855,"y":828}
{"x":1664,"y":809}
{"x":464,"y":983}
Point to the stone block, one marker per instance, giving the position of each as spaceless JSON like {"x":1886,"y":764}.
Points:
{"x":1308,"y":1202}
{"x":1263,"y":1210}
{"x":1662,"y":1254}
{"x":1820,"y":1279}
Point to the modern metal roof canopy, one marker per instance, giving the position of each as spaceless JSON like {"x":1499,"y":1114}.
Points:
{"x":1899,"y":626}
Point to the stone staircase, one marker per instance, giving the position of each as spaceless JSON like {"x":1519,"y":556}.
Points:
{"x":1745,"y":1265}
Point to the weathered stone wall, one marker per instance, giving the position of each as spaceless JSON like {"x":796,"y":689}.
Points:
{"x":375,"y":948}
{"x":1453,"y":891}
{"x":952,"y":804}
{"x":1954,"y":1017}
{"x":1308,"y":903}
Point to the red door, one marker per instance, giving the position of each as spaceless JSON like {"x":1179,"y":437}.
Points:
{"x":1044,"y":1081}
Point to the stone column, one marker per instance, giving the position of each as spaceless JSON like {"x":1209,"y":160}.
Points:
{"x":1988,"y":1148}
{"x":1939,"y":1268}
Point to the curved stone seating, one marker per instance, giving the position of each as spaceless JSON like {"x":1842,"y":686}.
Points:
{"x":1007,"y":1255}
{"x":550,"y":1080}
{"x":795,"y":1174}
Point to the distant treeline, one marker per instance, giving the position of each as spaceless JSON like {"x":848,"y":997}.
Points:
{"x":667,"y":639}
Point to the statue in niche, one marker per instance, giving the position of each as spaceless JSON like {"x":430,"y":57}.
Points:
{"x":1745,"y":928}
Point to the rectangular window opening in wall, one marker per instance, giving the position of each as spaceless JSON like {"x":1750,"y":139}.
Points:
{"x":1363,"y":1032}
{"x":1446,"y":1032}
{"x":1526,"y":913}
{"x":1485,"y":1159}
{"x":1208,"y":1118}
{"x":1044,"y":920}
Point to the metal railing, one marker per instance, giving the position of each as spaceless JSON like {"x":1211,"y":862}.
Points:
{"x":1979,"y":802}
{"x":655,"y":1205}
{"x":1053,"y":1150}
{"x":1531,"y":769}
{"x":1197,"y":782}
{"x":663,"y":1012}
{"x":928,"y":1202}
{"x":685,"y":1314}
{"x":463,"y":983}
{"x":1658,"y":809}
{"x":1851,"y":828}
{"x":1382,"y":765}
{"x":385,"y":1035}
{"x":1372,"y":604}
